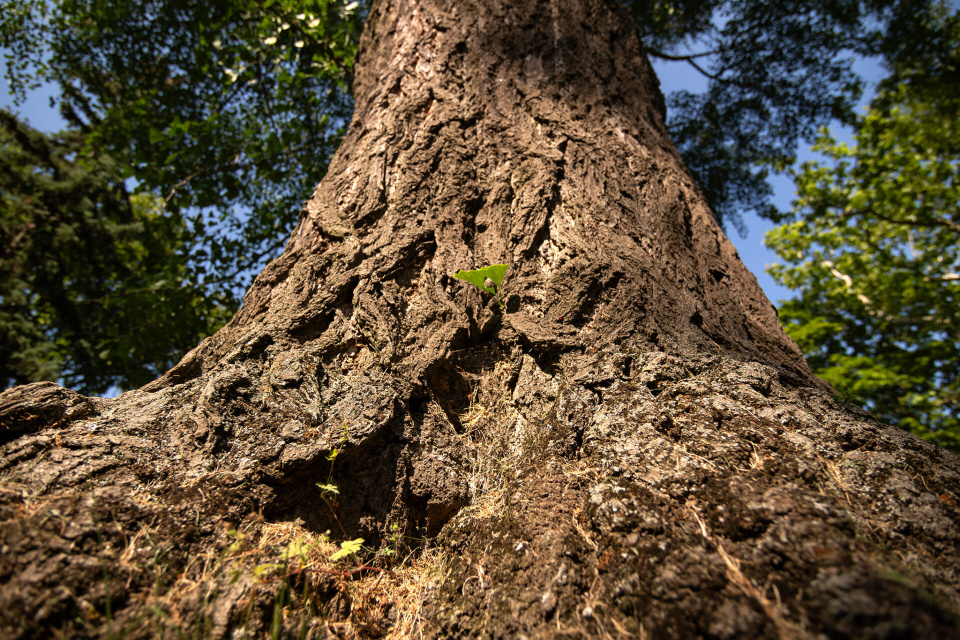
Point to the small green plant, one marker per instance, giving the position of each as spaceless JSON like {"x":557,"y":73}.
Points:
{"x":347,"y":549}
{"x":329,"y":489}
{"x":478,"y":277}
{"x":392,"y":541}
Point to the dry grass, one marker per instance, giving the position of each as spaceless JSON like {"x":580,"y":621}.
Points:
{"x":276,"y":580}
{"x":493,"y":462}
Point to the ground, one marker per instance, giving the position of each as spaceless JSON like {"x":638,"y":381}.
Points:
{"x":680,"y":498}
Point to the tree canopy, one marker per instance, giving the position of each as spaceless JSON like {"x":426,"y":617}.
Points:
{"x":224,"y":115}
{"x":873,"y":241}
{"x":227,"y":110}
{"x":94,"y":283}
{"x":873,"y":248}
{"x":777,"y":72}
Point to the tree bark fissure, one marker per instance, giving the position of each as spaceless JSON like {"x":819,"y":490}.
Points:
{"x":633,"y":446}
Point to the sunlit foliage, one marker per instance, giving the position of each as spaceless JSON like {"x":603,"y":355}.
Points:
{"x":873,"y":249}
{"x":94,"y":283}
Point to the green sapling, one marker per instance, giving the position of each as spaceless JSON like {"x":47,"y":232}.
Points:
{"x":488,"y":279}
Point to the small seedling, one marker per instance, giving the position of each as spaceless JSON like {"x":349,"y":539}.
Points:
{"x":391,"y":548}
{"x":347,"y":549}
{"x":263,"y":569}
{"x":480,"y":277}
{"x":329,"y":489}
{"x":296,"y":552}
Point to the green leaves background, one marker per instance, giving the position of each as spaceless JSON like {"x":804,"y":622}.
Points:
{"x":94,"y":285}
{"x":221,"y":116}
{"x":873,"y":249}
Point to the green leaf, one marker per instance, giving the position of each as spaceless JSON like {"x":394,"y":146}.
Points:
{"x":296,"y":549}
{"x":329,"y":488}
{"x":259,"y":570}
{"x":477,"y":277}
{"x":347,"y":549}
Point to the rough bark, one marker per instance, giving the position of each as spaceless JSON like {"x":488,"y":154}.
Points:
{"x":632,"y":447}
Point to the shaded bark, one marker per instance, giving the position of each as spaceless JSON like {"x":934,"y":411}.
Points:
{"x":633,"y":446}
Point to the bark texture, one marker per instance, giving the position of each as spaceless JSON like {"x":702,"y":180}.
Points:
{"x":632,"y":447}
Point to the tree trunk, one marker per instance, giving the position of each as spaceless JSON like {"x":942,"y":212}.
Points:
{"x":631,"y":446}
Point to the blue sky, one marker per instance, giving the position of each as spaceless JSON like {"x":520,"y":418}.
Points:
{"x":36,"y":109}
{"x":755,"y":255}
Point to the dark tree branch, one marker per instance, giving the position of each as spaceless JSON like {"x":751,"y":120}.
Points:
{"x":927,"y":224}
{"x":685,"y":58}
